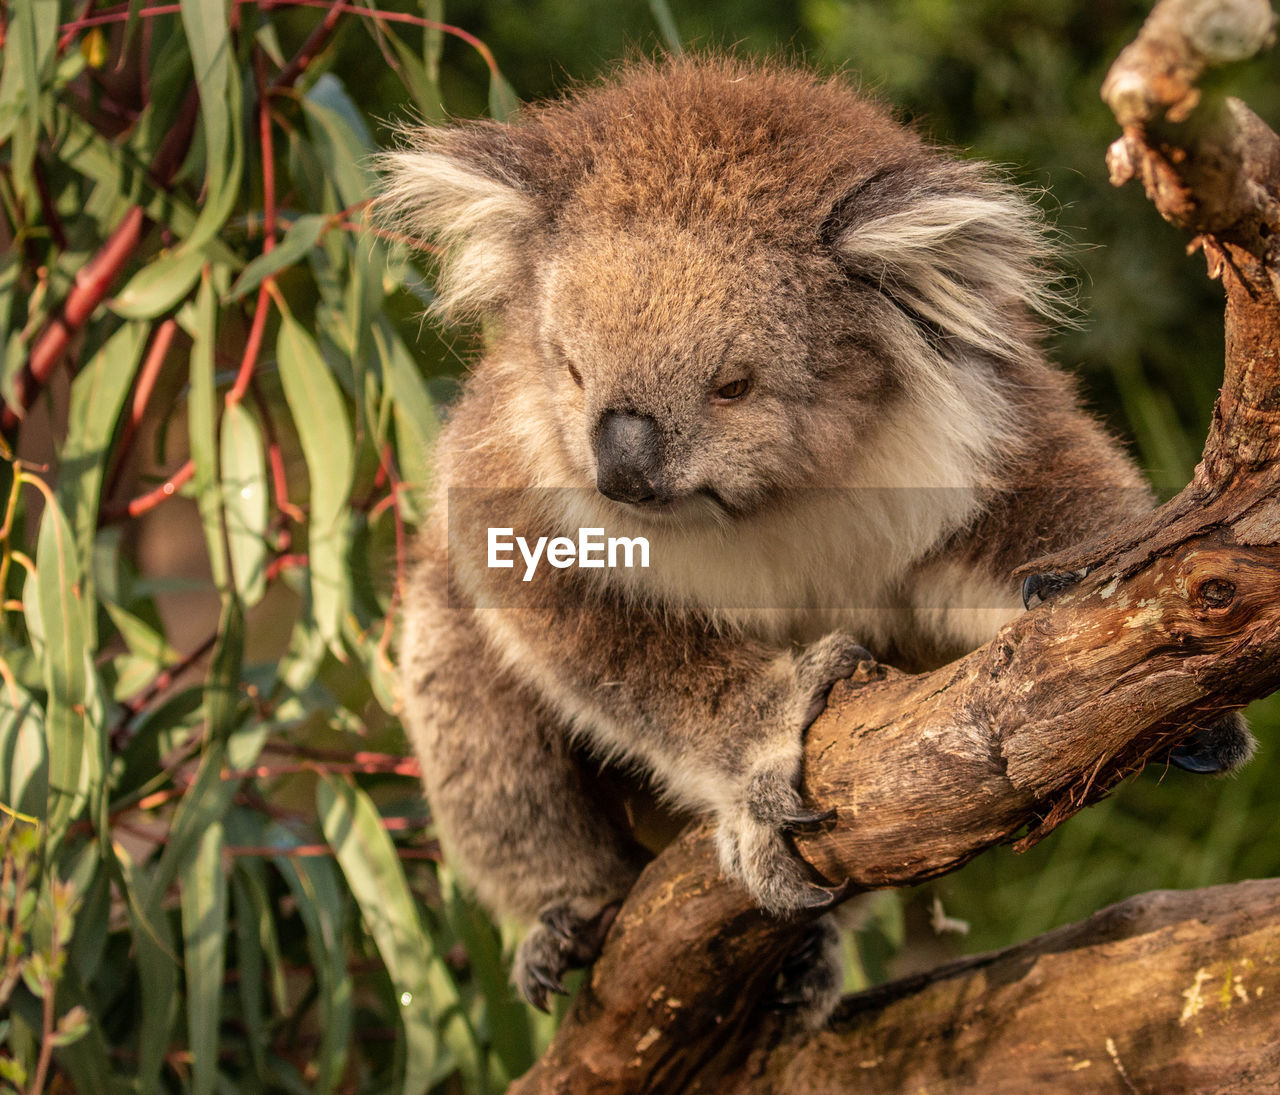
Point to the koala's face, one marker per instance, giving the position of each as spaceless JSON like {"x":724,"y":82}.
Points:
{"x":726,"y":274}
{"x":684,"y":369}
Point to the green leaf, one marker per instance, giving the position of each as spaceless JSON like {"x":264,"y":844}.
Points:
{"x":421,"y":78}
{"x":667,"y":25}
{"x":143,"y":640}
{"x":340,"y":138}
{"x":258,"y":960}
{"x":161,"y":284}
{"x":203,"y":806}
{"x":222,"y":689}
{"x":73,"y":1026}
{"x":204,"y":930}
{"x":62,"y":612}
{"x":208,"y":27}
{"x":503,"y":101}
{"x":506,"y":1017}
{"x":417,"y":423}
{"x":322,"y":901}
{"x":320,"y":414}
{"x":32,"y":34}
{"x":97,"y":396}
{"x":368,"y":859}
{"x":118,"y":169}
{"x":432,"y":39}
{"x":201,"y":420}
{"x":297,"y":241}
{"x":24,"y":754}
{"x":244,"y":486}
{"x":157,"y":969}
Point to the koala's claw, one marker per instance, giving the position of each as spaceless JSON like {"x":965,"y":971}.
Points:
{"x":804,"y":818}
{"x":1222,"y":747}
{"x":537,"y":985}
{"x":564,"y":939}
{"x":1044,"y":587}
{"x":753,"y":849}
{"x":820,"y":897}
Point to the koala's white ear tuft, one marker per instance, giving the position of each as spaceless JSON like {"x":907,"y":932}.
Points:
{"x":967,"y":257}
{"x":447,"y":192}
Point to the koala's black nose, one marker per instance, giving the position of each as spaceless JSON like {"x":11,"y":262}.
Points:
{"x":628,"y":457}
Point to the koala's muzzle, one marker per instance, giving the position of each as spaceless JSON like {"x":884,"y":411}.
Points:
{"x":629,"y":458}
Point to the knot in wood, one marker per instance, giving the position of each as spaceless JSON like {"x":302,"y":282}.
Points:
{"x":1215,"y":594}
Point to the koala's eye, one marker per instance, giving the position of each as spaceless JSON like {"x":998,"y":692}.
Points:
{"x":735,"y":389}
{"x":577,"y":376}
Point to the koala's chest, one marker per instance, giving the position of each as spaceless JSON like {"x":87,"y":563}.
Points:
{"x":836,"y":560}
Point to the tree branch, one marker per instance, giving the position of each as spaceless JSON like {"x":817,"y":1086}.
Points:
{"x":1168,"y":991}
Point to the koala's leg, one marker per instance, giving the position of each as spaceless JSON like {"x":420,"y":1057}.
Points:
{"x":510,"y":802}
{"x":812,"y":975}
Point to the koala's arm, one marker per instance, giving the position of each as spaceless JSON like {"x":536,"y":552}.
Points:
{"x":511,"y":805}
{"x":717,"y":721}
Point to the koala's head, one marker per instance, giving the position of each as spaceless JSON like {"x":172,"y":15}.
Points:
{"x":723,"y":272}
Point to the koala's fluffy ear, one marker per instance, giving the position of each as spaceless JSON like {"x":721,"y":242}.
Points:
{"x":458,"y":189}
{"x":961,"y":254}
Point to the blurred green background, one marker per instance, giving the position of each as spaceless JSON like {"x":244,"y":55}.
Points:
{"x":237,"y":888}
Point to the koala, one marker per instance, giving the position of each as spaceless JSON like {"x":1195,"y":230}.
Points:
{"x":739,"y":312}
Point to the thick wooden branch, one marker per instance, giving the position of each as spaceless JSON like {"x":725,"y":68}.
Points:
{"x":1166,"y":992}
{"x":925,"y":772}
{"x":1179,"y":620}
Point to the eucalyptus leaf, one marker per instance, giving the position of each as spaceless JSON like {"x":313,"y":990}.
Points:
{"x":297,"y":241}
{"x":320,"y":415}
{"x":161,"y":284}
{"x":63,"y":612}
{"x":244,"y":486}
{"x":202,"y":431}
{"x":368,"y":858}
{"x":204,"y":930}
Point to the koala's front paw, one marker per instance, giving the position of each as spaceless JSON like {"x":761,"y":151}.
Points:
{"x":753,"y":846}
{"x":832,"y":658}
{"x":565,"y":938}
{"x":751,"y":835}
{"x":1220,"y":748}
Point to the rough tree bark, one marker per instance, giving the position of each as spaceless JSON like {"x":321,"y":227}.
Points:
{"x":1178,"y":620}
{"x":1151,"y":995}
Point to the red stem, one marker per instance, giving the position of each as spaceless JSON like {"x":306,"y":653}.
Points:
{"x":120,"y":14}
{"x":279,"y":480}
{"x":91,"y":286}
{"x":384,"y":457}
{"x":144,"y":503}
{"x":285,"y":562}
{"x":95,"y":280}
{"x":252,"y":346}
{"x":161,"y":341}
{"x":310,"y":48}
